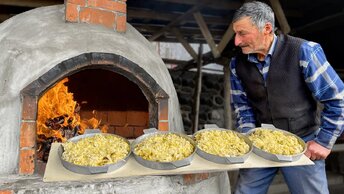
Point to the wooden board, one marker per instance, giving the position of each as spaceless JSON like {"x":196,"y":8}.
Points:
{"x":55,"y":171}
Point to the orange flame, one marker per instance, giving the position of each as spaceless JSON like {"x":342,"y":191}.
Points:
{"x":59,"y":102}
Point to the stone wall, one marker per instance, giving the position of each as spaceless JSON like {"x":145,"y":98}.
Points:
{"x":211,"y":102}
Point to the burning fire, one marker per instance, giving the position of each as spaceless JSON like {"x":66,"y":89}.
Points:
{"x":59,"y":118}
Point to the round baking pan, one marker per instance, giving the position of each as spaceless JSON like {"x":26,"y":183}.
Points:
{"x":162,"y":165}
{"x":222,"y":159}
{"x":92,"y":169}
{"x":278,"y":157}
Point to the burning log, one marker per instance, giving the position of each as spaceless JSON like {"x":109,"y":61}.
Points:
{"x":59,"y":119}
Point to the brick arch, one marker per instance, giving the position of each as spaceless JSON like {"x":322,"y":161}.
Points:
{"x":157,"y":98}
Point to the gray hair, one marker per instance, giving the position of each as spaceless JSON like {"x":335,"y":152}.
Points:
{"x":259,"y":12}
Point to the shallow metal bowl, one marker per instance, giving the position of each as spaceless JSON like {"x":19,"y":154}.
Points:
{"x":221,"y":159}
{"x":162,"y":165}
{"x":92,"y":169}
{"x":278,"y":157}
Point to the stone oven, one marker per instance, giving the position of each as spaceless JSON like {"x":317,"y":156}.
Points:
{"x":39,"y":48}
{"x":111,"y":68}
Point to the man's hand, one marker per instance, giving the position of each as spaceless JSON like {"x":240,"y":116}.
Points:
{"x":316,"y":151}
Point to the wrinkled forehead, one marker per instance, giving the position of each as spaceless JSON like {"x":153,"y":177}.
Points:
{"x":243,"y":23}
{"x":244,"y":19}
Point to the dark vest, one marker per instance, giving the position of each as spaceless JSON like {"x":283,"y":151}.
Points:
{"x":285,"y":101}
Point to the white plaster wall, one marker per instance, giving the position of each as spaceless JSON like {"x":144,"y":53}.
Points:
{"x":33,"y":42}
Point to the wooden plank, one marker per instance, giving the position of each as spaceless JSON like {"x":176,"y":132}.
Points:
{"x":190,"y":31}
{"x":185,"y":44}
{"x":55,"y":171}
{"x":282,"y":20}
{"x":206,"y":33}
{"x":156,"y":15}
{"x":216,"y":4}
{"x":175,"y":22}
{"x":174,"y":61}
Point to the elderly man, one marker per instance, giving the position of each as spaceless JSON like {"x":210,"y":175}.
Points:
{"x":279,"y":80}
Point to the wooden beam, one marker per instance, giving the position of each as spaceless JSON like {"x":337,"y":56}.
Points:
{"x":226,"y":38}
{"x":155,"y":15}
{"x":206,"y":59}
{"x":190,"y":31}
{"x":282,"y":20}
{"x":30,"y":3}
{"x":151,"y":14}
{"x":176,"y":21}
{"x":174,"y":61}
{"x":215,"y":4}
{"x":185,"y":44}
{"x":206,"y":33}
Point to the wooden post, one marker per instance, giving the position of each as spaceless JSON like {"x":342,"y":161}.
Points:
{"x":198,"y":89}
{"x":282,"y":20}
{"x":185,"y":43}
{"x":226,"y":38}
{"x":227,"y":96}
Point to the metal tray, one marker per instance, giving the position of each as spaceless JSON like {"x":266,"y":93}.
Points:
{"x":221,"y":159}
{"x":162,"y":165}
{"x":92,"y":169}
{"x":278,"y":157}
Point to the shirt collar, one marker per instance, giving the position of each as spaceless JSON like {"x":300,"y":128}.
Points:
{"x":253,"y":57}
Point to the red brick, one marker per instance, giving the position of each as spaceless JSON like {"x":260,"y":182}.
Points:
{"x":72,"y":13}
{"x":86,"y":114}
{"x":118,"y":118}
{"x":194,"y":178}
{"x":97,"y":16}
{"x":189,"y":179}
{"x":109,"y":5}
{"x":111,"y":129}
{"x":121,"y":23}
{"x":29,"y":108}
{"x":6,"y":192}
{"x":201,"y":176}
{"x":137,"y":118}
{"x":28,"y":134}
{"x":163,"y":109}
{"x":126,"y":132}
{"x":138,"y":131}
{"x":78,"y":2}
{"x":26,"y":161}
{"x":163,"y":126}
{"x":102,"y":116}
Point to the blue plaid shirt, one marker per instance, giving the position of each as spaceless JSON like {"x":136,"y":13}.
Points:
{"x":321,"y":79}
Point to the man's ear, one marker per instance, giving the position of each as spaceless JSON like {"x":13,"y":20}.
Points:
{"x":268,"y":28}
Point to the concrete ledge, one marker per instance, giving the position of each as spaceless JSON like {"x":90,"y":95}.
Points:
{"x":144,"y":184}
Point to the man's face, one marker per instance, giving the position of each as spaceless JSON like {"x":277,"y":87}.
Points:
{"x":248,"y":37}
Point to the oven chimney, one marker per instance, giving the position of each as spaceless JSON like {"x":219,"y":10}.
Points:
{"x":109,"y":13}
